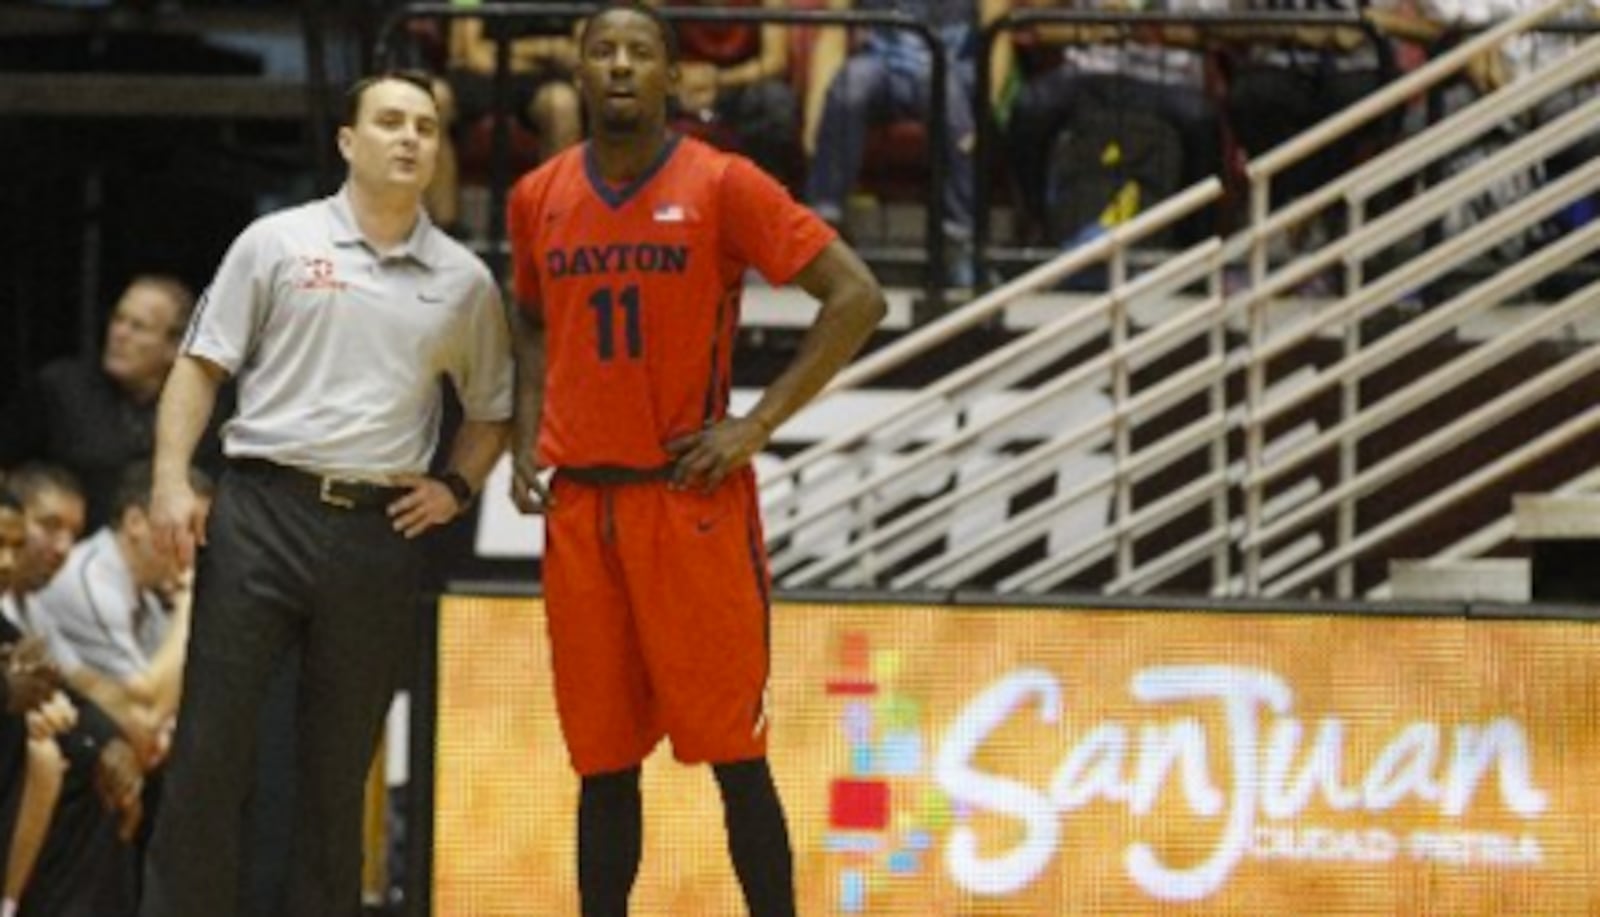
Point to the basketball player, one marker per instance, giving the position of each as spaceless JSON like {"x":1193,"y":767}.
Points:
{"x":629,"y":253}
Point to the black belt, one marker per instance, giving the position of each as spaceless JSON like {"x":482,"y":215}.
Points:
{"x":342,"y":493}
{"x":603,"y":475}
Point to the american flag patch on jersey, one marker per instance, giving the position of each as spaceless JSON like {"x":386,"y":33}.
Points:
{"x":671,"y":213}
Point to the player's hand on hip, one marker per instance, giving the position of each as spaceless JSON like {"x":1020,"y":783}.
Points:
{"x":528,"y":488}
{"x":703,"y":459}
{"x":178,"y":519}
{"x":429,"y":503}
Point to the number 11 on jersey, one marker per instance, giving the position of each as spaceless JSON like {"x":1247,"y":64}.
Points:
{"x":604,"y":303}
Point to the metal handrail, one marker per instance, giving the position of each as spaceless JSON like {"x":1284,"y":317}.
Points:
{"x":1387,"y":167}
{"x":1220,"y":536}
{"x":1177,"y":273}
{"x":1496,"y":533}
{"x":1060,"y":336}
{"x":1150,"y":401}
{"x":987,"y":307}
{"x":1040,"y":575}
{"x":1520,"y":457}
{"x":950,"y":569}
{"x":1260,"y":173}
{"x":1366,"y":181}
{"x":1406,"y":340}
{"x":1271,"y":536}
{"x":1408,"y":218}
{"x":1431,"y":265}
{"x":1441,"y":440}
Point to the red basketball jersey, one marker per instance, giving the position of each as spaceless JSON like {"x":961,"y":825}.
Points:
{"x":639,"y":287}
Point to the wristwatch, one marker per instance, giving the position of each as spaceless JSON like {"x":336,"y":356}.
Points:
{"x":459,"y":488}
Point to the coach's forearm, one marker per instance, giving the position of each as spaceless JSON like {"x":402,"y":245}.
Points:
{"x":187,"y":400}
{"x":476,"y":448}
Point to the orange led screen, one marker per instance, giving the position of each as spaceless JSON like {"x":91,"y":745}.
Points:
{"x":993,"y":761}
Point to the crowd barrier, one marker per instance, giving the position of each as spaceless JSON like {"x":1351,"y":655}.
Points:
{"x":1210,"y":29}
{"x":1064,"y":759}
{"x":507,"y":17}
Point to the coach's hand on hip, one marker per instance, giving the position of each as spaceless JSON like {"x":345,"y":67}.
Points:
{"x":429,"y":503}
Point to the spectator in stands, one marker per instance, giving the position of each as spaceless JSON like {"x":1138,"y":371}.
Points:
{"x":27,"y":679}
{"x":110,"y":609}
{"x":734,"y":88}
{"x":95,"y":418}
{"x":543,"y":100}
{"x":885,"y":77}
{"x":1286,"y":79}
{"x":37,"y":788}
{"x":35,"y":711}
{"x":54,"y":509}
{"x":1103,"y":86}
{"x":85,"y":867}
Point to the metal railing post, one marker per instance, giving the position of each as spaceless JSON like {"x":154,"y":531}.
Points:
{"x":1121,"y":391}
{"x":1255,"y":384}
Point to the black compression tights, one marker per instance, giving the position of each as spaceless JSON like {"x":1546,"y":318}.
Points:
{"x":610,"y":837}
{"x":758,"y":838}
{"x":610,"y":832}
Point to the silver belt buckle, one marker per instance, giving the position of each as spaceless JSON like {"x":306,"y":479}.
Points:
{"x":327,"y":495}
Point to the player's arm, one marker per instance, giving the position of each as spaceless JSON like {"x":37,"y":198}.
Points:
{"x":187,"y":400}
{"x":852,"y":306}
{"x":527,"y":345}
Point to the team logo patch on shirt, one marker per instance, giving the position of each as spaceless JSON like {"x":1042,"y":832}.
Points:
{"x":317,"y":274}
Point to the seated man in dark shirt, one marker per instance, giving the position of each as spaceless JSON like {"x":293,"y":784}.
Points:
{"x":96,"y":418}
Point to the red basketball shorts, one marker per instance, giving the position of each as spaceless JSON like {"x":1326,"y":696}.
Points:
{"x":658,"y":614}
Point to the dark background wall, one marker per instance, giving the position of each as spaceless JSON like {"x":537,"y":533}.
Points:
{"x":89,"y":199}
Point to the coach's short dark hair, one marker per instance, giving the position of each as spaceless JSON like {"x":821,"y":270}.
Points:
{"x":668,"y":32}
{"x":352,"y":96}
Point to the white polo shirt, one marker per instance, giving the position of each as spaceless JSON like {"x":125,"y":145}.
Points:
{"x":338,"y":351}
{"x":93,"y":605}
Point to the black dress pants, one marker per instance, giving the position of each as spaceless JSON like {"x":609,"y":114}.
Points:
{"x":284,"y":571}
